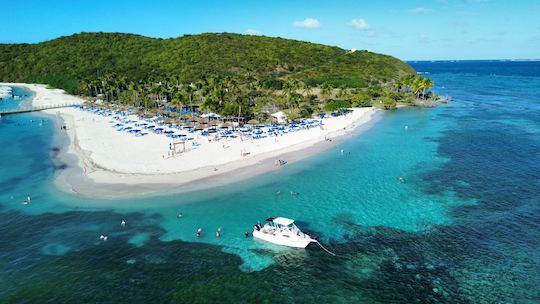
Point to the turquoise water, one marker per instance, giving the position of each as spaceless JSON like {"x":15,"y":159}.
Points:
{"x":466,"y":213}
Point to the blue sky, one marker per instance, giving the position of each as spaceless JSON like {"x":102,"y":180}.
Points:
{"x":408,"y":29}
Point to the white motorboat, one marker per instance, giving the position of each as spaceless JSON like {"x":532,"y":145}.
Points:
{"x":282,"y":231}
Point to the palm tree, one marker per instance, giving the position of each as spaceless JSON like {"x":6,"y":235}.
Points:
{"x":326,"y":90}
{"x":189,"y":91}
{"x":427,"y":84}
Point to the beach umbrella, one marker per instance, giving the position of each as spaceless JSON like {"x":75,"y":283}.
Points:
{"x":253,"y":122}
{"x":226,"y":125}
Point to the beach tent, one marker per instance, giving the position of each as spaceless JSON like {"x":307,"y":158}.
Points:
{"x":280,"y":116}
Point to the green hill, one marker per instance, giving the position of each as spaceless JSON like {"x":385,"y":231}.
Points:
{"x":65,"y":62}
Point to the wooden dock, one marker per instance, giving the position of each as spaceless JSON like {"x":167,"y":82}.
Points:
{"x":35,"y":109}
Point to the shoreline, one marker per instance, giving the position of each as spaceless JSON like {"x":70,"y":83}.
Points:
{"x":85,"y":176}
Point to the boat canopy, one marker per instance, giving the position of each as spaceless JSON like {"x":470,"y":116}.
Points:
{"x":283,"y":221}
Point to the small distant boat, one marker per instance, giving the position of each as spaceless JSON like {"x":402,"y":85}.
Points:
{"x":282,"y":231}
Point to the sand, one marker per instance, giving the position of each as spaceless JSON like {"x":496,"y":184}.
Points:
{"x":106,"y":163}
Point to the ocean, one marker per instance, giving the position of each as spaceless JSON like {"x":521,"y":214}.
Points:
{"x":463,"y":227}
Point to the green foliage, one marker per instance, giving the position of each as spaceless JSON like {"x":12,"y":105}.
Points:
{"x":414,"y":84}
{"x":66,"y":61}
{"x":230,"y":74}
{"x":389,"y":103}
{"x":334,"y":105}
{"x":359,"y":69}
{"x":361,"y":99}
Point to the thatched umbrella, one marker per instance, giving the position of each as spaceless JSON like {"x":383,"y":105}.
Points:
{"x":226,"y":125}
{"x":213,"y":123}
{"x":253,"y":122}
{"x":161,"y":111}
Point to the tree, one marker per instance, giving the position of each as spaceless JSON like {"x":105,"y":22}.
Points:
{"x":326,"y":90}
{"x":389,"y":103}
{"x":361,"y":99}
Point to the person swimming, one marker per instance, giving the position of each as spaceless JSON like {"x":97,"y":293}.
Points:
{"x":199,"y":232}
{"x":294,"y":193}
{"x":123,"y":223}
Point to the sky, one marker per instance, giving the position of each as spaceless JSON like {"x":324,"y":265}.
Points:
{"x":407,"y":29}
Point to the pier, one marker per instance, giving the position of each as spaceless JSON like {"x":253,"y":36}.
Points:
{"x":35,"y":109}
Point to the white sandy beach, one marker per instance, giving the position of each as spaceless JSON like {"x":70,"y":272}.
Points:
{"x":107,"y":156}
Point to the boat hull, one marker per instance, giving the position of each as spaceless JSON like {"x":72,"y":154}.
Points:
{"x":283,"y":241}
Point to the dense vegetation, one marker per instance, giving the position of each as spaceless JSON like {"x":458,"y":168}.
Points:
{"x":225,"y":73}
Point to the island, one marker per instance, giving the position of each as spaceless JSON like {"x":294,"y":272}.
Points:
{"x":153,"y":115}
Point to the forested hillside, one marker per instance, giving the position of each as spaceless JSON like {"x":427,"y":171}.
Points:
{"x":67,"y":61}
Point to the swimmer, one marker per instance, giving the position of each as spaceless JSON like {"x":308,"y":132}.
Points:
{"x":199,"y":232}
{"x":278,"y":192}
{"x":123,"y":223}
{"x":179,"y":215}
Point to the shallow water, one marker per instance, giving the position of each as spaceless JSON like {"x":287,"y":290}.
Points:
{"x":463,"y":227}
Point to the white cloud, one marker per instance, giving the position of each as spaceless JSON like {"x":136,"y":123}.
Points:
{"x":420,"y":10}
{"x":253,"y":32}
{"x":359,"y":24}
{"x":307,"y":23}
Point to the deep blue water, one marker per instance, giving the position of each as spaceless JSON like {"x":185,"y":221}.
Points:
{"x":463,"y":228}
